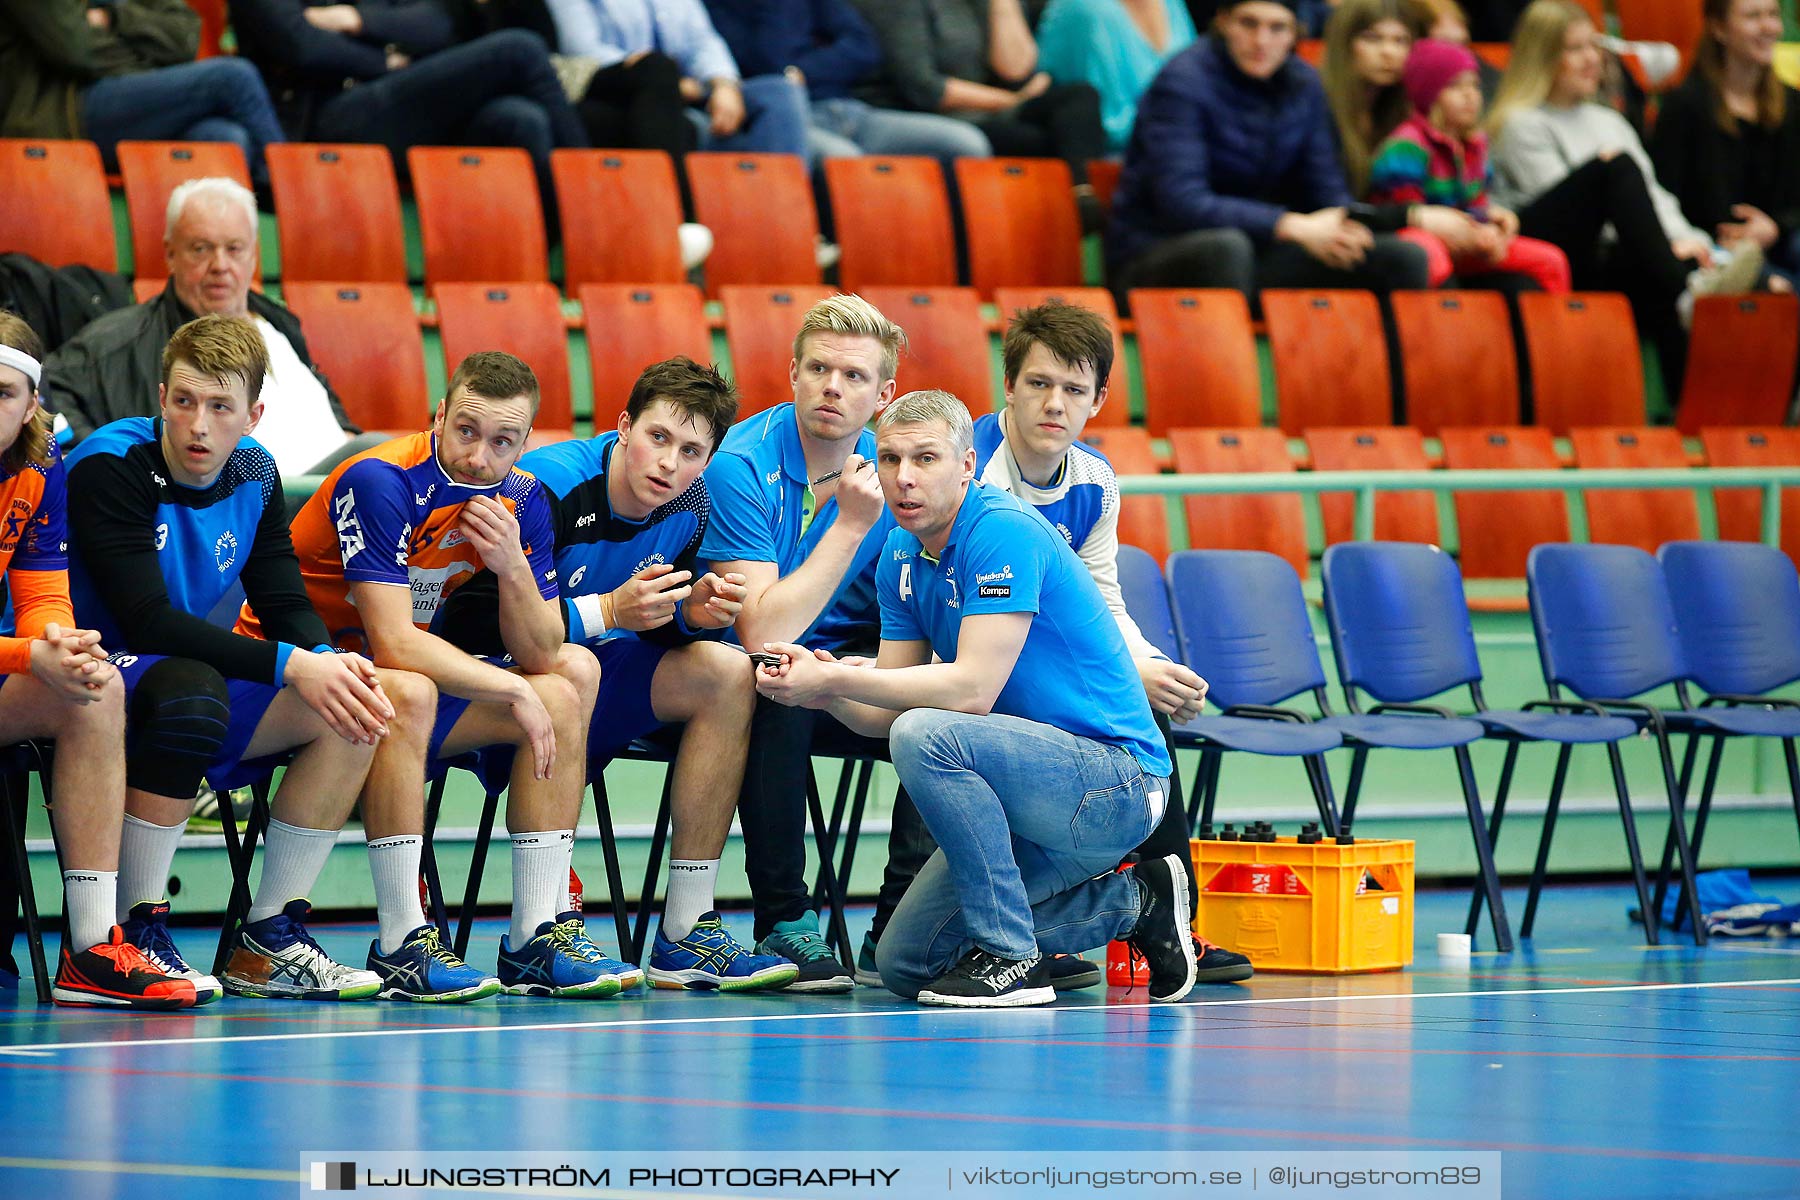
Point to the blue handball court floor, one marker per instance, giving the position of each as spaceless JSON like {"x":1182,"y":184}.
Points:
{"x":1590,"y":1064}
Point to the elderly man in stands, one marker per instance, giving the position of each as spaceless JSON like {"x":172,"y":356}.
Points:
{"x":111,"y":368}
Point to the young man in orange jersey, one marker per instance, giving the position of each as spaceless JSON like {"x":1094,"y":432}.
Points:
{"x":388,"y":536}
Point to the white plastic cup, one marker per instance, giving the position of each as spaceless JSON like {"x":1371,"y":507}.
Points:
{"x":1454,"y":945}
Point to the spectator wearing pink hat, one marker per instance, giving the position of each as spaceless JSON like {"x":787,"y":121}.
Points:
{"x":1439,"y":156}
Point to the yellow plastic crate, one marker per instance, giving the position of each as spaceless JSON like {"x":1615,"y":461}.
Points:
{"x":1324,"y":908}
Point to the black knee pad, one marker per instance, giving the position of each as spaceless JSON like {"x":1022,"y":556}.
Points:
{"x":175,"y":727}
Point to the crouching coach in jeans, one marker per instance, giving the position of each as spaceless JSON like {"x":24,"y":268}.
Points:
{"x":1029,"y":748}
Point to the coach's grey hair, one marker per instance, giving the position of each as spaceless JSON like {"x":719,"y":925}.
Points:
{"x":927,"y":407}
{"x":229,"y":190}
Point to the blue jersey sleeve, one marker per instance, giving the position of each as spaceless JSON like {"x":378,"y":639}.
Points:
{"x":45,"y":546}
{"x":741,"y":527}
{"x":373,"y":509}
{"x":537,"y":534}
{"x":893,"y":586}
{"x":1003,"y":560}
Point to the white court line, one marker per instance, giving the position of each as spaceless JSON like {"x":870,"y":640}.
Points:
{"x":39,"y":1048}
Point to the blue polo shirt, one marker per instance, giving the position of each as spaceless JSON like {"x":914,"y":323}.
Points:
{"x":757,"y":481}
{"x":1074,"y":671}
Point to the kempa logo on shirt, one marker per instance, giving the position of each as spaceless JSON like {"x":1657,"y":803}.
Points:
{"x":989,"y":587}
{"x":225,"y":550}
{"x":583,"y":522}
{"x":774,"y":477}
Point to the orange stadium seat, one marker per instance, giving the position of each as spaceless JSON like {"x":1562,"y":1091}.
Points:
{"x":213,"y":22}
{"x":1197,"y":351}
{"x":1740,"y":361}
{"x":479,"y":216}
{"x":892,"y":222}
{"x":1740,"y":509}
{"x":1498,"y":529}
{"x":1331,"y":363}
{"x":1023,"y":227}
{"x":620,"y":212}
{"x":1103,"y":177}
{"x":365,"y":337}
{"x":1272,"y":521}
{"x":1647,"y":518}
{"x":337,"y":213}
{"x":1585,"y":365}
{"x":523,"y":319}
{"x":1456,"y":359}
{"x":54,"y":205}
{"x":151,"y":171}
{"x":1117,"y":410}
{"x":1143,"y":520}
{"x":946,"y":340}
{"x":1399,"y":516}
{"x":760,"y":209}
{"x":1678,"y":22}
{"x":760,"y":323}
{"x":629,"y":327}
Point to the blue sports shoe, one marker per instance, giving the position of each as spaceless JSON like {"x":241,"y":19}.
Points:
{"x":559,"y":960}
{"x":709,"y":959}
{"x":425,"y":970}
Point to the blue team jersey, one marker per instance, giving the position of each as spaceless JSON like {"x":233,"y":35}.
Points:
{"x":1074,"y":671}
{"x":596,"y":549}
{"x":203,"y":536}
{"x":1084,"y":491}
{"x":758,"y":485}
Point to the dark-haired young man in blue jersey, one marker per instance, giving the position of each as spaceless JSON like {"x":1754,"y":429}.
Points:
{"x":166,"y":515}
{"x":630,"y":511}
{"x":1028,"y":747}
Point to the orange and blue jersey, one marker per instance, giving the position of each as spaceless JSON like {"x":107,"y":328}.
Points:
{"x":34,"y":556}
{"x":393,"y":515}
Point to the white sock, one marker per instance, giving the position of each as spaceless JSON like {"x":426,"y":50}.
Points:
{"x":88,"y":900}
{"x":394,"y":862}
{"x":291,"y":861}
{"x":690,"y":895}
{"x":540,"y":866}
{"x":146,"y":852}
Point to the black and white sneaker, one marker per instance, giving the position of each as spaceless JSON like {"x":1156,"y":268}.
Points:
{"x":1071,"y":972}
{"x":985,"y":980}
{"x":1163,"y":935}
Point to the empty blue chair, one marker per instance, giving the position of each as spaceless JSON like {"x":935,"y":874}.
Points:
{"x":1606,"y":631}
{"x":1400,"y":627}
{"x":1147,"y":599}
{"x":1737,"y":612}
{"x":1243,"y":626}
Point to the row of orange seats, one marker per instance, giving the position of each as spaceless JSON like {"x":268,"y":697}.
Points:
{"x":1496,"y":530}
{"x":339,"y":218}
{"x":1196,"y":349}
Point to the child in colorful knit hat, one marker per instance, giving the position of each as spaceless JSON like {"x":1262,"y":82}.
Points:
{"x":1439,"y":156}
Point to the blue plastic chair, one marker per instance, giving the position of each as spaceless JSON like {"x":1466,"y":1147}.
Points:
{"x":1400,"y":627}
{"x":1737,"y":611}
{"x":1243,"y":627}
{"x":1147,"y":599}
{"x":1606,"y":631}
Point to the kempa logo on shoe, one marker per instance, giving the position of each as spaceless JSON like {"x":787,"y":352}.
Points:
{"x":1014,"y":973}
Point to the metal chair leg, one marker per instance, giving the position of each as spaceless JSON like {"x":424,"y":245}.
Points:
{"x":659,"y":837}
{"x":238,"y":905}
{"x":1631,"y":842}
{"x":428,"y":865}
{"x":1359,"y":759}
{"x":1320,"y":776}
{"x":1685,"y":780}
{"x":1206,"y":783}
{"x":609,"y":852}
{"x":1498,"y":814}
{"x":1678,"y":826}
{"x":465,"y":916}
{"x":14,"y":833}
{"x":839,"y":802}
{"x":837,"y":931}
{"x":1484,"y":853}
{"x":865,"y":778}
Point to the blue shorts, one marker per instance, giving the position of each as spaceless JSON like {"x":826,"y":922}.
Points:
{"x":249,"y":703}
{"x":623,"y":712}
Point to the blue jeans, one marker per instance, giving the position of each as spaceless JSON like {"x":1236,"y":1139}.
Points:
{"x":1030,"y":823}
{"x":214,"y":100}
{"x":774,"y":120}
{"x":846,"y":128}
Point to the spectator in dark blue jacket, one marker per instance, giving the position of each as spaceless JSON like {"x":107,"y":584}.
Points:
{"x":1232,"y":177}
{"x":827,"y":48}
{"x":390,"y":72}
